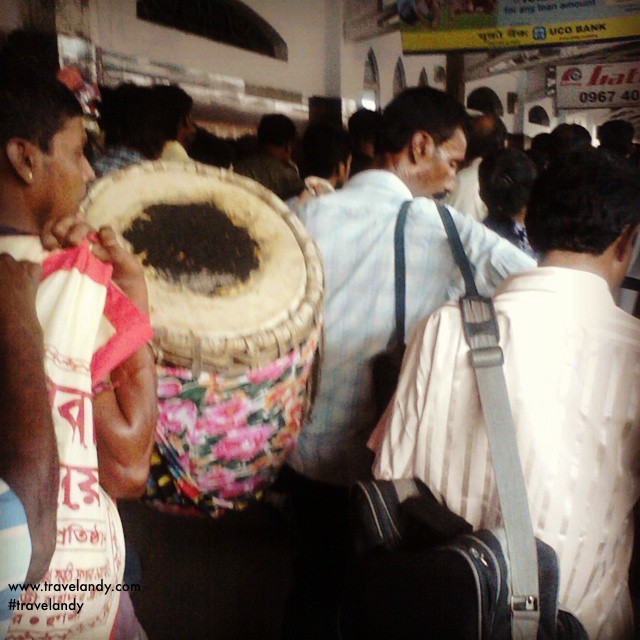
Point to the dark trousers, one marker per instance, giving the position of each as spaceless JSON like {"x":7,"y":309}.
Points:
{"x":322,"y":557}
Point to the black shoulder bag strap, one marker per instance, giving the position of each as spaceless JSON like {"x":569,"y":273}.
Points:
{"x":482,"y":335}
{"x":400,"y":273}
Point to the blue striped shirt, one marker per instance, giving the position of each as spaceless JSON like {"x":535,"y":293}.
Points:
{"x":115,"y":158}
{"x":354,"y":229}
{"x":15,"y":551}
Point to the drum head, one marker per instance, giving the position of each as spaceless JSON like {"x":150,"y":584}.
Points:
{"x":233,"y":278}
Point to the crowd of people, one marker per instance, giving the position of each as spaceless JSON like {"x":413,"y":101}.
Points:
{"x":550,"y":234}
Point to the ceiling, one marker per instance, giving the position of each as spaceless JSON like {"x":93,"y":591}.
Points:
{"x":485,"y":64}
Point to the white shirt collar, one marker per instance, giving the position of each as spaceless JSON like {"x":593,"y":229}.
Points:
{"x":382,"y":179}
{"x":558,"y":279}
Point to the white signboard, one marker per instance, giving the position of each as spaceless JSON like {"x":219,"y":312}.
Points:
{"x":598,"y":86}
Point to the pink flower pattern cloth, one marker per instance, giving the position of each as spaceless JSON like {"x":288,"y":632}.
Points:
{"x":220,"y":440}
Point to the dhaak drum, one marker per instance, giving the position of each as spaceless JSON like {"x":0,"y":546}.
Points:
{"x":235,"y":291}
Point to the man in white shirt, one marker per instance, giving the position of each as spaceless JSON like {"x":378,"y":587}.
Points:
{"x":422,"y":142}
{"x":572,"y":366}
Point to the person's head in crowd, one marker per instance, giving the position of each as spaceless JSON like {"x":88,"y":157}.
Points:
{"x":43,"y":171}
{"x":245,"y":146}
{"x":326,"y":153}
{"x":506,"y":178}
{"x":516,"y":141}
{"x":35,"y":49}
{"x":422,"y":140}
{"x":486,"y":134}
{"x":568,"y":138}
{"x":584,"y":212}
{"x":634,"y":158}
{"x":363,"y":128}
{"x":211,"y":149}
{"x":616,"y":136}
{"x":174,"y":104}
{"x":130,"y":118}
{"x":112,"y":114}
{"x":539,"y":150}
{"x":277,"y":135}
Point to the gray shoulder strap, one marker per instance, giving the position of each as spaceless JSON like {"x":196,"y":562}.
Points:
{"x":482,"y":334}
{"x":486,"y":357}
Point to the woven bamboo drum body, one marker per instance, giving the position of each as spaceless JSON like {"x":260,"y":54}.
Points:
{"x":237,"y":356}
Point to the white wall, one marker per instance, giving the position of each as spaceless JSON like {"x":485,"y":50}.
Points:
{"x":301,"y":23}
{"x":320,"y":61}
{"x":387,"y":49}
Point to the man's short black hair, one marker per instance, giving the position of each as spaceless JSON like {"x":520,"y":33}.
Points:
{"x":276,"y":129}
{"x":130,"y":117}
{"x":506,"y":178}
{"x":582,"y":202}
{"x":419,"y":109}
{"x":617,"y":136}
{"x":485,"y":134}
{"x":173,"y":105}
{"x":567,"y":138}
{"x":363,"y":125}
{"x":324,"y":147}
{"x":32,"y":106}
{"x":539,"y":151}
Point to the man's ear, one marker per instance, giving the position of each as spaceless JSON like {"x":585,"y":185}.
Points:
{"x":421,"y":147}
{"x":21,"y":155}
{"x":622,"y":254}
{"x":623,"y":246}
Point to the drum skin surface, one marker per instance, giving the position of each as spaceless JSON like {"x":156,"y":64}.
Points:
{"x":237,"y":362}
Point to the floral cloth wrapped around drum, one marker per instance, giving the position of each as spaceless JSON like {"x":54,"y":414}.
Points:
{"x":223,"y":440}
{"x":235,"y":292}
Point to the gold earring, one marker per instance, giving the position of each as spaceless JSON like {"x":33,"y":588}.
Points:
{"x":30,"y":176}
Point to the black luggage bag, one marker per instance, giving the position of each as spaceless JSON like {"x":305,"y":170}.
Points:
{"x":421,"y":573}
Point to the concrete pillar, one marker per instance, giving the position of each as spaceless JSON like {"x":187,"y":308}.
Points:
{"x":455,"y":76}
{"x":519,"y":114}
{"x":322,"y":109}
{"x":48,"y":16}
{"x":332,"y":48}
{"x":72,"y":18}
{"x":39,"y":15}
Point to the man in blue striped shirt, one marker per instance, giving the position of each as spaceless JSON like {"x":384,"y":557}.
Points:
{"x":15,"y":551}
{"x":421,"y":144}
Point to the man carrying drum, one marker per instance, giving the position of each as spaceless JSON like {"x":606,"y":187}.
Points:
{"x":421,"y":145}
{"x":98,"y":371}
